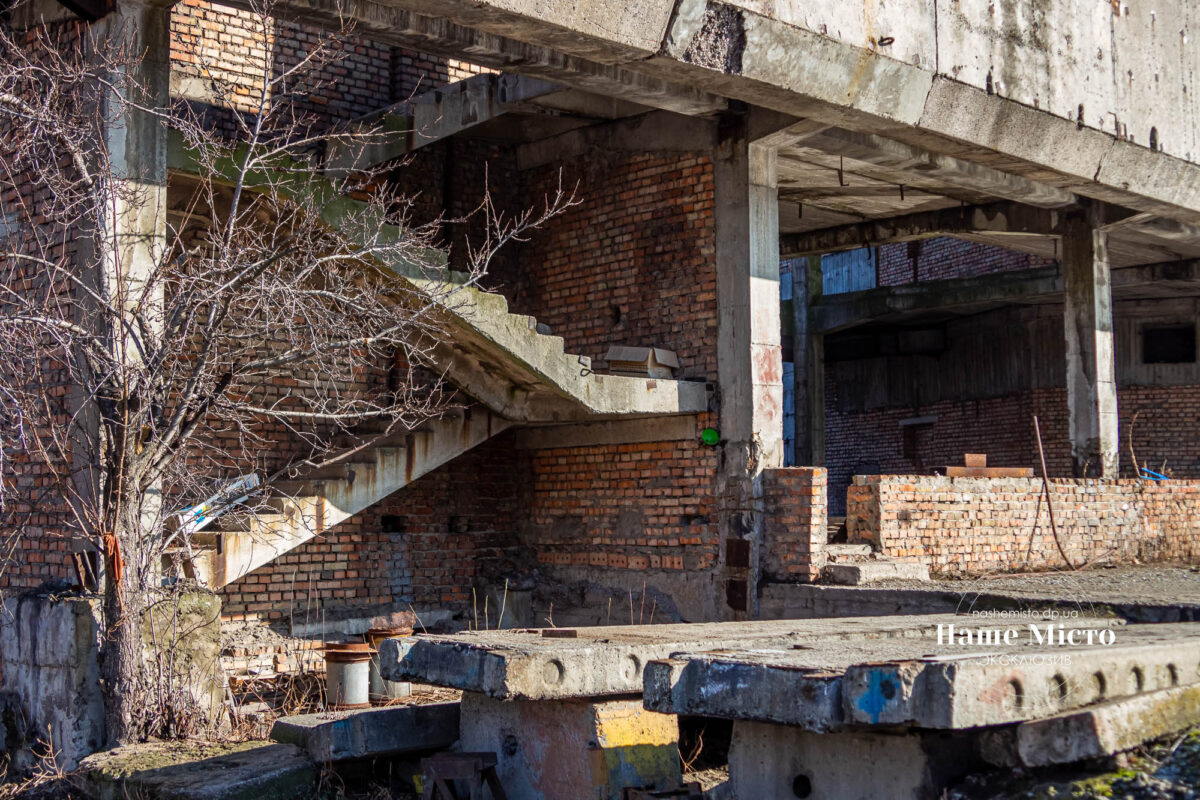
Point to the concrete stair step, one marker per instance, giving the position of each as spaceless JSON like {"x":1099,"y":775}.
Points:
{"x":873,"y":571}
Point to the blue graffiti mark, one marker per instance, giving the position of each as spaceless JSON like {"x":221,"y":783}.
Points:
{"x":873,"y":702}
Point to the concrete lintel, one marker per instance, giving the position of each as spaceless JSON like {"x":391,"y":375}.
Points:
{"x":661,"y":429}
{"x":993,"y":218}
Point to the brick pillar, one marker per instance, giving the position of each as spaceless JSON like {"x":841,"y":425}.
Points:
{"x":749,"y":358}
{"x":1088,"y":326}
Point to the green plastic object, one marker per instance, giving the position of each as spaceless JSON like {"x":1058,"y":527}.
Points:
{"x":710,"y":436}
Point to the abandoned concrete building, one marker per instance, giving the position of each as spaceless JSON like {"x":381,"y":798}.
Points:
{"x":819,"y":255}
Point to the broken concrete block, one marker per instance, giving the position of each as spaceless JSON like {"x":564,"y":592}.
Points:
{"x":1096,"y":732}
{"x":200,"y":771}
{"x":559,"y":749}
{"x":341,"y":735}
{"x":857,"y":574}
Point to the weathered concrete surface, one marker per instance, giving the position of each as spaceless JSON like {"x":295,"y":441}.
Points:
{"x":182,"y":633}
{"x":608,"y":660}
{"x":48,"y":648}
{"x":194,"y":771}
{"x":572,"y":749}
{"x":1091,"y":360}
{"x":774,"y":762}
{"x":804,"y":686}
{"x":1095,"y":732}
{"x":874,"y":571}
{"x":953,"y":693}
{"x":341,"y":735}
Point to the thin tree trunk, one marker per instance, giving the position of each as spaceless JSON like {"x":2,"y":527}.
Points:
{"x":122,"y":661}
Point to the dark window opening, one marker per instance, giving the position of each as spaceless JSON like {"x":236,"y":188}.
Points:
{"x":1175,"y":344}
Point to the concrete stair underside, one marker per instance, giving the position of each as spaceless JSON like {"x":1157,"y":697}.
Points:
{"x":240,"y":542}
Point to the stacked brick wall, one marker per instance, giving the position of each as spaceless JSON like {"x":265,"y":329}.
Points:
{"x":644,"y":506}
{"x":231,"y":46}
{"x":794,"y":523}
{"x":939,"y":259}
{"x":633,"y":263}
{"x":36,"y":525}
{"x":425,"y":544}
{"x":972,"y":526}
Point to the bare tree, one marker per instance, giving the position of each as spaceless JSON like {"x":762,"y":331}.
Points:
{"x":267,"y":321}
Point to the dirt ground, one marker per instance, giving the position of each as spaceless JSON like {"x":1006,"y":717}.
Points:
{"x":1151,"y":585}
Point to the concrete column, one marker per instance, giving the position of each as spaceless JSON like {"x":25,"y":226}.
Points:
{"x":1091,"y":376}
{"x":809,"y":373}
{"x":129,"y":242}
{"x":749,"y":357}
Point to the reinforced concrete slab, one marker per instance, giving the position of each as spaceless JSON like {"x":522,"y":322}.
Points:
{"x":921,"y":683}
{"x":342,"y":735}
{"x":1095,"y":732}
{"x":595,"y":662}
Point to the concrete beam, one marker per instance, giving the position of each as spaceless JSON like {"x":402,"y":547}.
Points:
{"x":992,"y":218}
{"x":685,"y":427}
{"x":1091,"y":364}
{"x":1037,"y":284}
{"x":438,"y":114}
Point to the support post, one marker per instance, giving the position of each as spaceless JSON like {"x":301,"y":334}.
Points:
{"x":808,"y":355}
{"x":749,"y":356}
{"x":1088,"y":326}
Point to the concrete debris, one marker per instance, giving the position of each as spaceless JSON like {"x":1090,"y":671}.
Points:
{"x":341,"y":735}
{"x":196,"y":771}
{"x":1095,"y":732}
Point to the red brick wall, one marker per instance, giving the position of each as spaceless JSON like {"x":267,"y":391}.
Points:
{"x":971,"y":526}
{"x":794,"y":524}
{"x":645,"y":506}
{"x":633,"y":263}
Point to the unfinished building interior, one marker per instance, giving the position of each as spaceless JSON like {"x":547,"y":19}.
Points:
{"x":818,"y":257}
